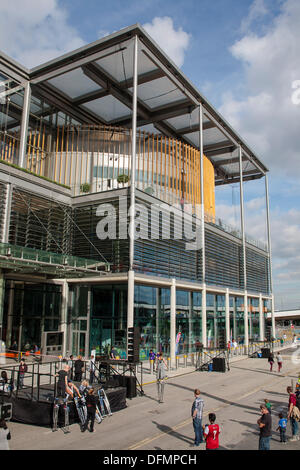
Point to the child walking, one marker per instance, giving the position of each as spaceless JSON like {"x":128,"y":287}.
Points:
{"x":211,"y":433}
{"x":282,"y":424}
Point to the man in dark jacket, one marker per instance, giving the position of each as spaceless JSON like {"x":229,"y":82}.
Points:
{"x":78,"y":369}
{"x":91,"y":403}
{"x":22,"y":370}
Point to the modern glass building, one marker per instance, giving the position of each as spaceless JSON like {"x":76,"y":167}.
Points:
{"x":109,"y":163}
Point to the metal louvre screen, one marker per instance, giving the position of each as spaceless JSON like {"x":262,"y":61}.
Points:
{"x":37,"y":222}
{"x":159,"y":250}
{"x":224,"y":266}
{"x":86,"y":242}
{"x":257,"y":272}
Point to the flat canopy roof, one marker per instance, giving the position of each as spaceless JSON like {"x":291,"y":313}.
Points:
{"x":94,"y":85}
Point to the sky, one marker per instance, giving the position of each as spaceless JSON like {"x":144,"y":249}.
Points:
{"x":243,"y":55}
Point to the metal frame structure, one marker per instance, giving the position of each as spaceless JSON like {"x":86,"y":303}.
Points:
{"x":125,"y":80}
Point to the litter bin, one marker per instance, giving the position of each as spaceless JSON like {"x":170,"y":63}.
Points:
{"x":210,"y":367}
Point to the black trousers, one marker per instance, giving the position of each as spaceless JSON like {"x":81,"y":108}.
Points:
{"x":90,"y":417}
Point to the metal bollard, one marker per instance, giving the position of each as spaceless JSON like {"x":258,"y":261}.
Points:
{"x":193,"y":359}
{"x":185,"y":360}
{"x":177,"y":362}
{"x":151,"y":366}
{"x":169,"y":363}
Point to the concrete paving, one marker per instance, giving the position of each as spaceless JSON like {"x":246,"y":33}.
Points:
{"x":145,"y":424}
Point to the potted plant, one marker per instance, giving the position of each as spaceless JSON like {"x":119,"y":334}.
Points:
{"x":85,"y":187}
{"x":123,"y":179}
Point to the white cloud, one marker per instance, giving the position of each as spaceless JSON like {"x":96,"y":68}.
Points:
{"x":257,"y":10}
{"x":267,"y":117}
{"x":173,"y":42}
{"x":35,"y":31}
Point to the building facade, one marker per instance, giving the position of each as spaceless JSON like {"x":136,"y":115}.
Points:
{"x":109,"y":162}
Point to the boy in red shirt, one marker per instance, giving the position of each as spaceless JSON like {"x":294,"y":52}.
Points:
{"x":211,"y":433}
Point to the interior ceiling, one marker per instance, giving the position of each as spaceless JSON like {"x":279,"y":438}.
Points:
{"x":94,"y":85}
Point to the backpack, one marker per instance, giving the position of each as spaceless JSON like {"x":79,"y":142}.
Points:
{"x":295,"y":413}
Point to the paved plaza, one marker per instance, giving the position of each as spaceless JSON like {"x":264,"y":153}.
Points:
{"x":145,"y":424}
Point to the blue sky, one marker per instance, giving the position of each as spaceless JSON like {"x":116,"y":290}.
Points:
{"x":243,"y":55}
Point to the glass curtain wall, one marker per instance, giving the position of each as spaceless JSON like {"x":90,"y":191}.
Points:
{"x":35,"y":308}
{"x":239,"y":320}
{"x":253,"y":319}
{"x":108,"y":322}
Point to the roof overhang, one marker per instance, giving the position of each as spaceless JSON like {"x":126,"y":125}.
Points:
{"x":93,"y":85}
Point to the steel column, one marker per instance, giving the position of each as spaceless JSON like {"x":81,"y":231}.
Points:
{"x":173,"y":323}
{"x":242,"y":218}
{"x":24,"y":125}
{"x":130,"y":302}
{"x":269,"y":254}
{"x":202,"y":191}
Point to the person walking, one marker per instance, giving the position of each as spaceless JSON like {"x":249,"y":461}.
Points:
{"x":4,"y":435}
{"x":91,"y":404}
{"x":279,"y":361}
{"x":290,"y":416}
{"x":271,"y":361}
{"x":92,"y":369}
{"x":211,"y":433}
{"x":62,"y":383}
{"x":152,"y":358}
{"x":78,"y":369}
{"x":282,"y":424}
{"x":70,"y":364}
{"x":265,"y":428}
{"x":22,"y":371}
{"x":161,"y":366}
{"x":197,"y":413}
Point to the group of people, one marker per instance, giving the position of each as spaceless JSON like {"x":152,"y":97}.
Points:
{"x":209,"y":432}
{"x":278,"y":359}
{"x":66,"y":388}
{"x":293,"y":415}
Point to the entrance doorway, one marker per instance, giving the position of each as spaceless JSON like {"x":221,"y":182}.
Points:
{"x":80,"y":338}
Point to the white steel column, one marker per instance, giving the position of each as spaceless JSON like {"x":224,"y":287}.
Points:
{"x":227,"y":316}
{"x":246,"y":340}
{"x":64,"y":314}
{"x":130,"y":300}
{"x":24,"y":125}
{"x":202,"y":191}
{"x":204,"y":338}
{"x":270,"y":254}
{"x":173,"y":323}
{"x":261,"y":319}
{"x":242,"y":218}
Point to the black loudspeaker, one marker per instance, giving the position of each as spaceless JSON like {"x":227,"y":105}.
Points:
{"x":133,"y":344}
{"x":219,"y":364}
{"x":130,"y":383}
{"x":115,"y":381}
{"x":265,"y":353}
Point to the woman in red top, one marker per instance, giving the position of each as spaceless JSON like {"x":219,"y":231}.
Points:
{"x":211,"y":433}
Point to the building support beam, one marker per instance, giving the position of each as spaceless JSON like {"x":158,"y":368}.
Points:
{"x":63,"y":327}
{"x":24,"y":125}
{"x":269,"y":254}
{"x":227,"y":316}
{"x":130,"y":296}
{"x":202,"y":191}
{"x":261,"y":319}
{"x":203,"y":316}
{"x":242,"y":218}
{"x":246,"y":328}
{"x":173,"y":324}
